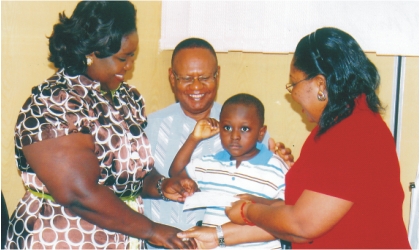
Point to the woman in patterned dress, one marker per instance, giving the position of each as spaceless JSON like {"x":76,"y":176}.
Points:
{"x":80,"y":146}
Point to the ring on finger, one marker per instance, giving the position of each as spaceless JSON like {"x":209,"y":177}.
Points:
{"x":185,"y":239}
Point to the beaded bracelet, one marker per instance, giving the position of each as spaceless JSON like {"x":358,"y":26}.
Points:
{"x":243,"y":216}
{"x":159,"y":188}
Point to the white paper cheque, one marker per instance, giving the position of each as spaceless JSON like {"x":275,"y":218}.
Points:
{"x":208,"y":199}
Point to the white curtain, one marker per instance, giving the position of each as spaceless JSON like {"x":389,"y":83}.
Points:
{"x":390,"y":27}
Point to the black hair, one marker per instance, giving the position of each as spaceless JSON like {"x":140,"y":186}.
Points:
{"x":247,"y":100}
{"x":95,"y":26}
{"x":348,"y":72}
{"x":191,"y":43}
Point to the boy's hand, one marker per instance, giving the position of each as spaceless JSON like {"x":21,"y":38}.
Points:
{"x":206,"y":128}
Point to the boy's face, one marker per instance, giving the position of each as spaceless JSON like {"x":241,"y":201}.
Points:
{"x":240,"y":130}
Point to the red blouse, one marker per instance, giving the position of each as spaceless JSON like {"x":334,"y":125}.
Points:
{"x":354,"y":160}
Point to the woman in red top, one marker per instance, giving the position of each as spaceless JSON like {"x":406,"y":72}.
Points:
{"x":344,"y":191}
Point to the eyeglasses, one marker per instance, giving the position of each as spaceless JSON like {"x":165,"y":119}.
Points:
{"x":190,"y":79}
{"x":290,"y":86}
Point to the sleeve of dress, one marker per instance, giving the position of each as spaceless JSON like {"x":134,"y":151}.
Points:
{"x":50,"y":113}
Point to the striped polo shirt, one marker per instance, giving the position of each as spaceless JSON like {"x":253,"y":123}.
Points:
{"x":263,"y":175}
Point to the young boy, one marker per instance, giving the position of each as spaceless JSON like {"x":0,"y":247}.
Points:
{"x":244,"y":166}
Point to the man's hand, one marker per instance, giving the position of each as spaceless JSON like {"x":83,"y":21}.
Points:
{"x":279,"y":149}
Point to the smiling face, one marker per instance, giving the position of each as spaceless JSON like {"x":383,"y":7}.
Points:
{"x":306,"y":91}
{"x":110,"y":71}
{"x":195,"y":97}
{"x":240,"y":130}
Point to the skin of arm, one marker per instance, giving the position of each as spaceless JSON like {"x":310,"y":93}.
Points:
{"x":206,"y":237}
{"x":70,"y":171}
{"x":204,"y":128}
{"x":313,"y":215}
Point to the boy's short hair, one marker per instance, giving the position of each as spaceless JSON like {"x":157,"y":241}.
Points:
{"x":247,"y":100}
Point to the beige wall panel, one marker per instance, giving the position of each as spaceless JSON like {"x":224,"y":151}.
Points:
{"x":150,"y":74}
{"x":24,"y":47}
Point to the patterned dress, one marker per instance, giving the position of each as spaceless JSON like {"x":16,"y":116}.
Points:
{"x":60,"y":106}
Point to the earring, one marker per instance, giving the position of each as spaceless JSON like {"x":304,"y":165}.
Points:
{"x":89,"y":60}
{"x":321,"y":96}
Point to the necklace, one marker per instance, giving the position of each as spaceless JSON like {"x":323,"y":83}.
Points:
{"x":112,"y":92}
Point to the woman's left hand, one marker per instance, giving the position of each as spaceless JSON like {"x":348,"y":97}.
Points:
{"x":234,"y":212}
{"x":178,"y":188}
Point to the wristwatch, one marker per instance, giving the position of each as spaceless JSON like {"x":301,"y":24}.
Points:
{"x":159,"y":188}
{"x":220,"y":236}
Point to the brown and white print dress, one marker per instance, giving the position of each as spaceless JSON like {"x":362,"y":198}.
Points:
{"x":58,"y":107}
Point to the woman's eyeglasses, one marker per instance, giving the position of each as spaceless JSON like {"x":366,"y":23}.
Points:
{"x":290,"y":86}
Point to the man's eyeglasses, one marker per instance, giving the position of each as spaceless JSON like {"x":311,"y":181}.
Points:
{"x":190,"y":79}
{"x":290,"y":86}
